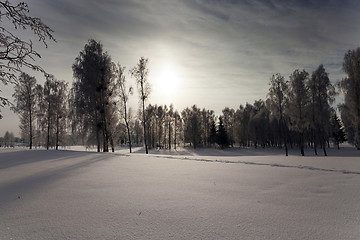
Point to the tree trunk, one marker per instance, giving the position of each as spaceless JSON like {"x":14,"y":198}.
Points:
{"x":31,"y":131}
{"x":175,"y":135}
{"x":324,"y":147}
{"x":57,"y":133}
{"x":169,"y":136}
{"x":128,"y":132}
{"x":302,"y":144}
{"x":143,"y":108}
{"x":48,"y":129}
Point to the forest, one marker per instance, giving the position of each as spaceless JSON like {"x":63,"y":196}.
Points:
{"x":298,"y":111}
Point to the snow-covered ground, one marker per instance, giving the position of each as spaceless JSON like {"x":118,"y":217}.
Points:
{"x":184,"y":194}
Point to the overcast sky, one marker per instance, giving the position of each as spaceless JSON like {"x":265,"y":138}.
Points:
{"x":218,"y":53}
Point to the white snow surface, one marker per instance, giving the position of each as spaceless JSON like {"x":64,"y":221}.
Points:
{"x":183,"y":194}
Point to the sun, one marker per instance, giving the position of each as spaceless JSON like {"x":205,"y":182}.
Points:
{"x":167,"y":81}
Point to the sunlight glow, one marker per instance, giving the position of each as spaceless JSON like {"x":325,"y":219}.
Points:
{"x":167,"y":82}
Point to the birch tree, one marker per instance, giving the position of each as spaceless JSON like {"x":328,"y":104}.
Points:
{"x":124,"y":93}
{"x":298,"y":103}
{"x":25,"y":104}
{"x":277,"y":100}
{"x":140,"y":72}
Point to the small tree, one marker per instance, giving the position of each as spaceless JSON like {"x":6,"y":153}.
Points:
{"x":338,"y":132}
{"x":140,"y":72}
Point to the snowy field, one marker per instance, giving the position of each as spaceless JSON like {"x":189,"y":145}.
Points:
{"x":184,"y":194}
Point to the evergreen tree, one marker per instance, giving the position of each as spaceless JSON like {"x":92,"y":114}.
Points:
{"x":213,"y":133}
{"x":222,"y":137}
{"x":338,"y":132}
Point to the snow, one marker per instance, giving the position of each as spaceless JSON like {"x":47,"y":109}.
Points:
{"x":184,"y":194}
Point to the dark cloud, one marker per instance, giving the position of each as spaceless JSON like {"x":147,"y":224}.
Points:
{"x":228,"y":43}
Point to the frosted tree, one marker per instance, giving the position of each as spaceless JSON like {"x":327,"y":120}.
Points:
{"x":350,"y":86}
{"x":25,"y":104}
{"x":17,"y":53}
{"x":298,"y":103}
{"x":60,"y":110}
{"x":124,"y":94}
{"x":277,"y":101}
{"x":192,"y":125}
{"x":140,"y":72}
{"x":322,"y":94}
{"x":337,"y":129}
{"x":93,"y":75}
{"x":177,"y":127}
{"x":8,"y":139}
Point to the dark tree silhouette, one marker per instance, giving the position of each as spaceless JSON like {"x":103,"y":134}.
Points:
{"x":277,"y":101}
{"x":93,"y":91}
{"x":298,"y":104}
{"x":221,"y":135}
{"x":322,"y":94}
{"x":212,"y":139}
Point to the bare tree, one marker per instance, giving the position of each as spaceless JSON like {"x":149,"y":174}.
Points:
{"x":277,"y":99}
{"x":140,"y":72}
{"x":16,"y":53}
{"x":124,"y":93}
{"x":298,"y":103}
{"x":322,"y":94}
{"x":350,"y":86}
{"x":25,"y":99}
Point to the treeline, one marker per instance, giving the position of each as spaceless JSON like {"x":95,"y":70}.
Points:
{"x":9,"y":140}
{"x":297,"y":112}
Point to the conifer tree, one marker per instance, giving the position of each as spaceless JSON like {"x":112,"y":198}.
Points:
{"x":222,"y":137}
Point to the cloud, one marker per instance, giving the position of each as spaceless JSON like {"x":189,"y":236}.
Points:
{"x":223,"y":45}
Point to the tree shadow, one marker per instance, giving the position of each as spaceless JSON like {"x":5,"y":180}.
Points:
{"x":17,"y":158}
{"x":13,"y":189}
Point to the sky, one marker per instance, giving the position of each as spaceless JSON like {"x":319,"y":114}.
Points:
{"x":212,"y":53}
